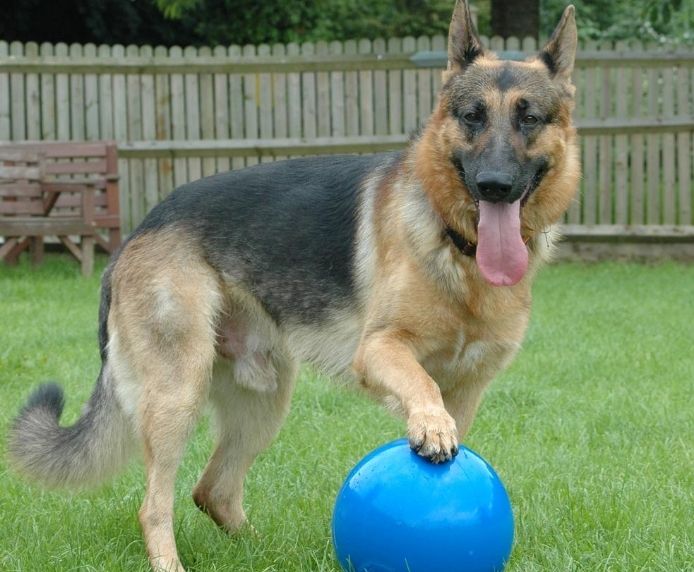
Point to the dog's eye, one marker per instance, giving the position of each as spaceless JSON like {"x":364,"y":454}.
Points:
{"x":529,"y":120}
{"x":473,"y":117}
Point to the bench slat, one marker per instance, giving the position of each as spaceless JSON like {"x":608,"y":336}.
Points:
{"x":61,"y":150}
{"x":77,"y":167}
{"x":25,"y":190}
{"x":74,"y":201}
{"x":39,"y":226}
{"x":21,"y":208}
{"x":14,"y":155}
{"x":20,"y":172}
{"x":107,"y":221}
{"x":74,"y":185}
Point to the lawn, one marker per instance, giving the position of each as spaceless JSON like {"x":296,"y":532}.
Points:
{"x":591,"y":429}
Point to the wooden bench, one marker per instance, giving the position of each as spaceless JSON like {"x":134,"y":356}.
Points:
{"x":79,"y":197}
{"x":21,"y":196}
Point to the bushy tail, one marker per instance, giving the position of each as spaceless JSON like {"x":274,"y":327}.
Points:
{"x":82,"y":455}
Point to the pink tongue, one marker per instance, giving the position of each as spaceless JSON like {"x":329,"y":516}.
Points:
{"x":501,"y":254}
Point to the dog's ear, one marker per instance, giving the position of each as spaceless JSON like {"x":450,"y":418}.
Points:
{"x":464,"y":44}
{"x":559,"y":52}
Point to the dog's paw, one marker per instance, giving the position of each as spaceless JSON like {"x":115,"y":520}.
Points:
{"x":161,"y":564}
{"x":226,"y":515}
{"x":433,"y":435}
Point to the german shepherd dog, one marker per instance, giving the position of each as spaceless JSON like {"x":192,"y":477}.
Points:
{"x":410,"y":272}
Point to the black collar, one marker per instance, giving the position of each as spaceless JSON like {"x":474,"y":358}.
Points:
{"x":467,"y":248}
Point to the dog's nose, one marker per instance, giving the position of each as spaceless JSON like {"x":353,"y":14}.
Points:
{"x":494,"y":186}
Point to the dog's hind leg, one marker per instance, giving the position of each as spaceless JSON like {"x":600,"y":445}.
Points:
{"x":247,"y":420}
{"x":167,"y":421}
{"x":166,"y":302}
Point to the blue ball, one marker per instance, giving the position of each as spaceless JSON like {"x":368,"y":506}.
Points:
{"x":397,"y":512}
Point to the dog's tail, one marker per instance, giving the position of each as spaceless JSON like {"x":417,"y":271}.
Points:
{"x":81,"y":455}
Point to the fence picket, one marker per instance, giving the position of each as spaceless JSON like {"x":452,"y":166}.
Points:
{"x":209,"y":164}
{"x":395,"y":91}
{"x":33,"y":96}
{"x":162,"y":100}
{"x":653,"y":151}
{"x":294,"y":95}
{"x":17,"y":107}
{"x":5,"y":114}
{"x":105,"y":87}
{"x":621,"y":203}
{"x":178,"y":123}
{"x":668,"y":142}
{"x":337,"y":92}
{"x":134,"y":119}
{"x":149,"y":132}
{"x":438,"y":44}
{"x":62,"y":97}
{"x":351,"y":93}
{"x":573,"y":214}
{"x":605,"y":143}
{"x":323,"y":94}
{"x":684,"y":153}
{"x":236,"y":107}
{"x":48,"y":110}
{"x":192,"y":94}
{"x":250,"y":103}
{"x":424,"y":104}
{"x":77,"y":131}
{"x":308,"y":94}
{"x":91,"y":99}
{"x":120,"y":133}
{"x":590,"y":147}
{"x":409,"y":87}
{"x":636,"y":148}
{"x":279,"y":99}
{"x":221,"y":108}
{"x":380,"y":86}
{"x":529,"y":44}
{"x":265,"y":100}
{"x":366,"y":95}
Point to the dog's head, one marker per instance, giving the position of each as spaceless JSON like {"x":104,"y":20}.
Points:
{"x":507,"y":128}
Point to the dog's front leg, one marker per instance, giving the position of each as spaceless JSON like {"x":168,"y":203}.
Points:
{"x":387,"y":366}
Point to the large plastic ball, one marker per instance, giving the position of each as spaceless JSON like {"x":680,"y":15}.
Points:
{"x":397,"y":512}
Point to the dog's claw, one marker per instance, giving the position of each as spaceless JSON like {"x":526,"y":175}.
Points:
{"x":433,"y":436}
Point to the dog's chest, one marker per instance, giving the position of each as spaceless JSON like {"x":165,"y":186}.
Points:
{"x":476,"y":358}
{"x":474,"y":348}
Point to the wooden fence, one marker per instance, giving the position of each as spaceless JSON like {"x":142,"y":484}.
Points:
{"x":178,"y":114}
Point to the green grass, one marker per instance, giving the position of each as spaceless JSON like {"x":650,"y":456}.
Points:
{"x":591,"y":429}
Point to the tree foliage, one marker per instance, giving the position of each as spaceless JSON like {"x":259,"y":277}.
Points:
{"x":515,"y":18}
{"x":664,"y":21}
{"x":661,"y":21}
{"x":250,"y":21}
{"x":82,"y":21}
{"x":209,"y":22}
